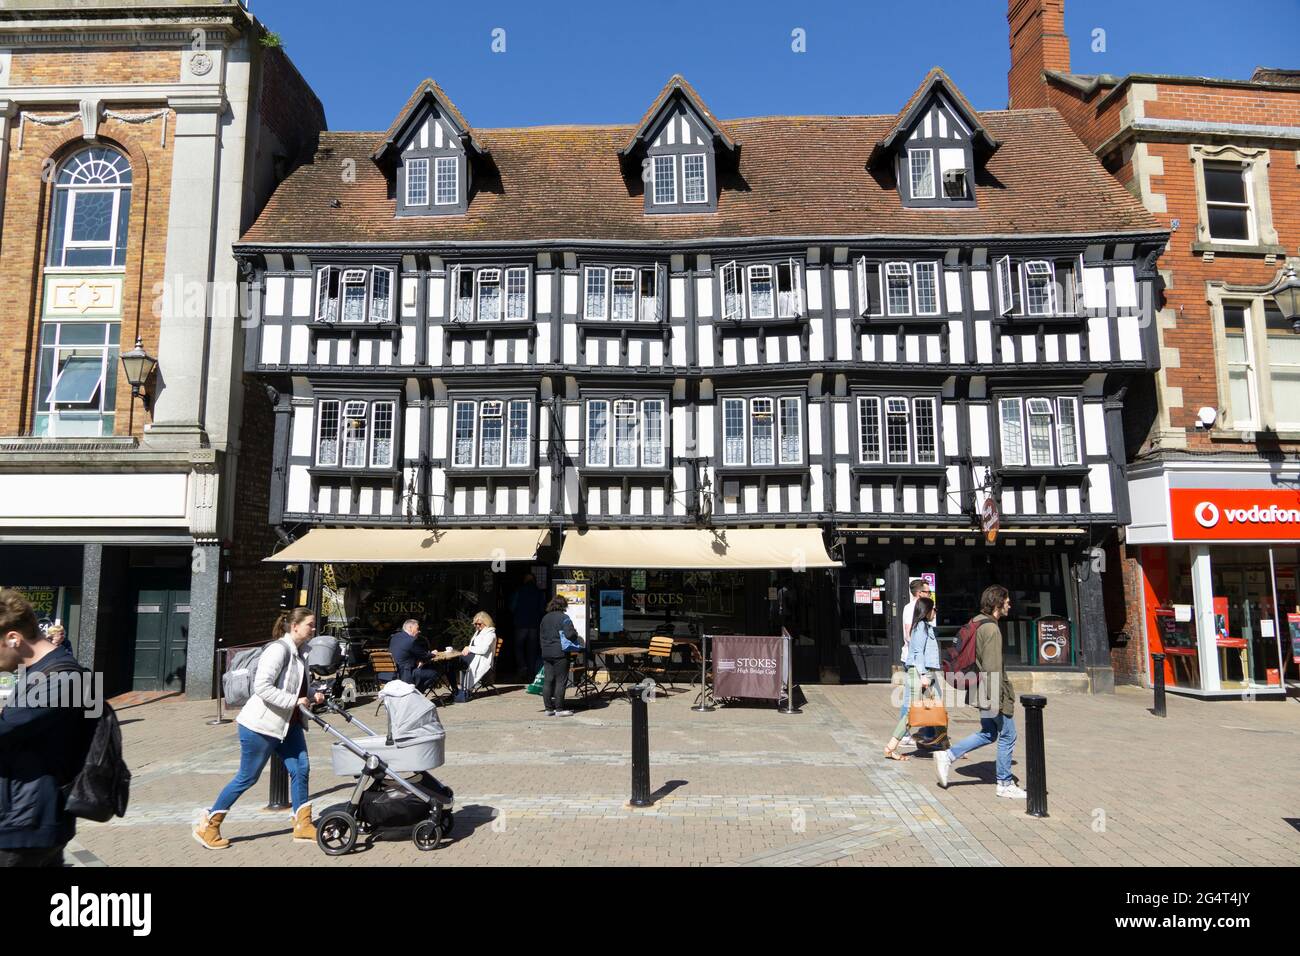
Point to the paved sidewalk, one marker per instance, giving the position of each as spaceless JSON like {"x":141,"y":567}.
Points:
{"x":1214,"y":784}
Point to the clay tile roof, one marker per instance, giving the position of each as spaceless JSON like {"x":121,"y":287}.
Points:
{"x":675,"y":83}
{"x":797,"y":176}
{"x":426,"y":87}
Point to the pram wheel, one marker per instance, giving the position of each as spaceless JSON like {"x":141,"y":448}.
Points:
{"x":336,"y":833}
{"x":427,"y":834}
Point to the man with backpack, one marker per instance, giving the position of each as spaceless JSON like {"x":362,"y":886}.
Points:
{"x":996,"y":697}
{"x":45,"y":735}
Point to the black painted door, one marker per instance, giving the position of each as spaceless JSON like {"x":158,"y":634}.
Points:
{"x":162,"y":631}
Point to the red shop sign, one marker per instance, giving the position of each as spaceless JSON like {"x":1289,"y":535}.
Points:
{"x":1218,"y":514}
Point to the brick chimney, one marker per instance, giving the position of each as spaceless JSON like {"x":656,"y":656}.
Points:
{"x":1038,"y":43}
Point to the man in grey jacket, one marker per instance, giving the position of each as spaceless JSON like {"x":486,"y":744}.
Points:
{"x":998,"y":719}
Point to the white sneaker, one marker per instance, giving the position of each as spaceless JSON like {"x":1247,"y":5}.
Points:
{"x":942,"y":762}
{"x":564,"y":713}
{"x":1011,"y":791}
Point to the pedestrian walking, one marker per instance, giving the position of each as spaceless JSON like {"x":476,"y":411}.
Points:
{"x":922,"y":667}
{"x":555,"y":627}
{"x":271,"y":723}
{"x":527,"y":605}
{"x":44,"y":737}
{"x":998,"y":719}
{"x":919,"y":589}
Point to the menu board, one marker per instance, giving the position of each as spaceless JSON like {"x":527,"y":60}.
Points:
{"x":575,"y":592}
{"x":1293,"y":628}
{"x":1173,"y":631}
{"x":1053,"y":640}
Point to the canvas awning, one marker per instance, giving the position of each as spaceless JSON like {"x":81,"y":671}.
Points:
{"x":411,"y":546}
{"x":688,"y":549}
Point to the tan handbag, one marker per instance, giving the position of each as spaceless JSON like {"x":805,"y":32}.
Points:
{"x":927,"y":711}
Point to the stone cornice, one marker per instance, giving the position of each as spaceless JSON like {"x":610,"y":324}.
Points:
{"x":37,"y":97}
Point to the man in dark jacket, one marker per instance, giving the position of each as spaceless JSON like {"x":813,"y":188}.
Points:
{"x":555,"y":659}
{"x":414,"y":660}
{"x":526,"y":611}
{"x":45,"y":732}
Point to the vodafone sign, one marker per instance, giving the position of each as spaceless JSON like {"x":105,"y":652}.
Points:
{"x":1218,"y":514}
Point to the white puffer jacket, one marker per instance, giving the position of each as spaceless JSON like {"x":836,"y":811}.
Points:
{"x":276,"y":689}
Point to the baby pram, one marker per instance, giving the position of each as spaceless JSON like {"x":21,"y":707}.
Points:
{"x":384,"y":800}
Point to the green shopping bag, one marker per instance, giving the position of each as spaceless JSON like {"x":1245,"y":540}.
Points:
{"x":536,"y":686}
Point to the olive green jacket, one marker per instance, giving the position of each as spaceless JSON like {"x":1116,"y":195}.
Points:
{"x":988,"y":658}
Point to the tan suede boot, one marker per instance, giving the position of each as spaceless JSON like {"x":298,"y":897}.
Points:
{"x":303,"y":830}
{"x":207,"y":831}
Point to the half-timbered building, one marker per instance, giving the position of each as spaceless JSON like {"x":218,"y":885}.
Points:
{"x":742,"y":374}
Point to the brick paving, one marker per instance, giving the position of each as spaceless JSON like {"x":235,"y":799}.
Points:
{"x":1214,"y":785}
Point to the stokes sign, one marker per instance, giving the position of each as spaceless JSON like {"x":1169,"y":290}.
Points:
{"x":1216,"y":514}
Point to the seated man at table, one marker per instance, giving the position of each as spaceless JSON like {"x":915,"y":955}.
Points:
{"x":412,"y":656}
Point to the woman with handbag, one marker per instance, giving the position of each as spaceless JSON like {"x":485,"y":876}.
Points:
{"x":922,"y":674}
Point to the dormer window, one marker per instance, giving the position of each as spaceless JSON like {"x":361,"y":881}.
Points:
{"x":354,"y":295}
{"x":694,"y":183}
{"x":675,"y":153}
{"x":447,"y":183}
{"x":665,"y":186}
{"x":921,"y":163}
{"x":417,"y":182}
{"x":429,"y":155}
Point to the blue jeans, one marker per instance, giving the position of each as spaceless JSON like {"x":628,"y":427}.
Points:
{"x":1001,"y":728}
{"x":254,"y":751}
{"x":926,"y":733}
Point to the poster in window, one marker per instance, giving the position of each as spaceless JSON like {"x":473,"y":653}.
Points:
{"x":861,"y":596}
{"x":1293,"y":627}
{"x":611,"y":611}
{"x":1222,"y":627}
{"x":638,"y":580}
{"x":575,"y":592}
{"x":1053,"y":640}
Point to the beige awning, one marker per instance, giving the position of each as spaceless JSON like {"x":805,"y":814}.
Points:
{"x":688,"y":549}
{"x":411,"y":545}
{"x":940,"y":531}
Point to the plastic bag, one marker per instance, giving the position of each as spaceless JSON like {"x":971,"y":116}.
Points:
{"x":536,"y":686}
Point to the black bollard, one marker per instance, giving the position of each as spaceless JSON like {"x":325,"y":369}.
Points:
{"x":279,"y":785}
{"x":640,"y":745}
{"x":1035,"y":759}
{"x":1158,"y":678}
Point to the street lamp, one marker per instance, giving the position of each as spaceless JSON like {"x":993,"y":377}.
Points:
{"x":1287,"y":296}
{"x":138,"y":366}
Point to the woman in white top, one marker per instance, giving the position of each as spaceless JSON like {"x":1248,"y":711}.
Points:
{"x":478,"y":654}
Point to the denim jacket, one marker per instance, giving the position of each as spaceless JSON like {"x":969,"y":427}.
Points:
{"x":923,"y":649}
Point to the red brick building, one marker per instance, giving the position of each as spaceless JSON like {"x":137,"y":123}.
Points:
{"x":137,"y":141}
{"x":1210,"y":561}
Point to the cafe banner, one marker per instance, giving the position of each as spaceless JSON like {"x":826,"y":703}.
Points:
{"x":747,"y":666}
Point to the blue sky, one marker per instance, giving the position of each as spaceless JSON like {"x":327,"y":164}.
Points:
{"x":579,"y":62}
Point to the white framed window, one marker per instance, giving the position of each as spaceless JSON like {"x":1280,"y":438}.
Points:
{"x":733,"y":306}
{"x":1006,"y":295}
{"x":791,"y":431}
{"x":463,"y":433}
{"x":90,"y":210}
{"x":520,"y":433}
{"x":925,"y":428}
{"x":789,"y":289}
{"x":653,"y":433}
{"x":921,"y":166}
{"x":354,"y":295}
{"x":897,"y":426}
{"x":1040,"y":287}
{"x":1227,"y":202}
{"x":517,"y":293}
{"x":762,"y":432}
{"x":327,"y":294}
{"x":354,"y":434}
{"x":492,"y":427}
{"x":1067,"y":431}
{"x":1038,"y":413}
{"x":491,"y":303}
{"x":694,"y":186}
{"x":1282,"y":347}
{"x":926,"y":275}
{"x":381,"y":294}
{"x":447,"y":182}
{"x":76,"y":386}
{"x":1011,"y":419}
{"x":383,"y":415}
{"x":1040,"y":432}
{"x":327,"y":433}
{"x":1240,"y":361}
{"x":596,"y":299}
{"x":623,"y":295}
{"x":665,"y":180}
{"x":417,"y":182}
{"x":898,"y":280}
{"x":598,"y":432}
{"x":733,"y":431}
{"x":635,"y":437}
{"x":869,"y":450}
{"x":761,"y":301}
{"x":648,"y":306}
{"x":462,"y":285}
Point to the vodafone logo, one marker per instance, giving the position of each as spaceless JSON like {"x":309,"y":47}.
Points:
{"x":1207,"y":514}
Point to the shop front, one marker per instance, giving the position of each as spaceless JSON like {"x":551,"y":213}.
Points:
{"x":1045,"y":638}
{"x":1219,"y":552}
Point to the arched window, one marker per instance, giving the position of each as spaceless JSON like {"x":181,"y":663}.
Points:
{"x":92,"y":203}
